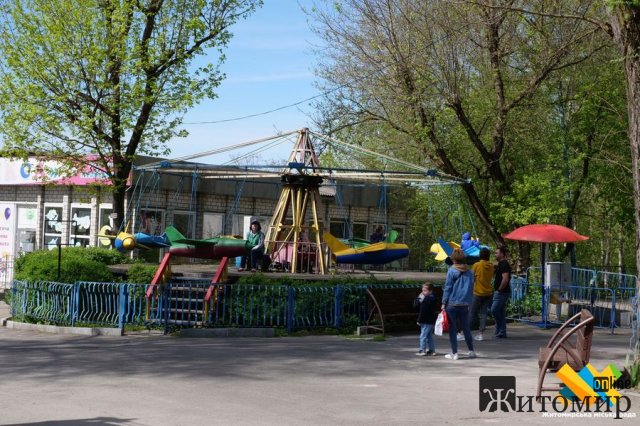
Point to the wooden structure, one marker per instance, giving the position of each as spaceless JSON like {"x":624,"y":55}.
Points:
{"x":569,"y":345}
{"x":300,"y":193}
{"x":390,"y":304}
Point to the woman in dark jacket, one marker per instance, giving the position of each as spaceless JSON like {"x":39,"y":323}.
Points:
{"x":458,"y":295}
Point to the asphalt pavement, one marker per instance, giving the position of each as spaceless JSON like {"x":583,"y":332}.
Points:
{"x":52,"y":379}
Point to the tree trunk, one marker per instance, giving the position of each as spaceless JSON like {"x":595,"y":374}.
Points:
{"x":524,"y":257}
{"x":625,"y":23}
{"x":482,"y":214}
{"x":121,"y":171}
{"x":119,"y":195}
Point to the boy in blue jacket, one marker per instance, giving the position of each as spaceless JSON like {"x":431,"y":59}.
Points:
{"x":428,"y":312}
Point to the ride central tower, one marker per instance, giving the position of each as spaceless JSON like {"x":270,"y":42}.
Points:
{"x":288,"y":235}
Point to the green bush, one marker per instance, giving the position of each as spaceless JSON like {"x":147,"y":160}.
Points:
{"x":102,"y":255}
{"x":77,"y":264}
{"x":345,"y":280}
{"x":141,"y":273}
{"x":634,"y":374}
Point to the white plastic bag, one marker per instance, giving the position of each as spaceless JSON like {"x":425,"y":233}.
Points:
{"x":439,"y":323}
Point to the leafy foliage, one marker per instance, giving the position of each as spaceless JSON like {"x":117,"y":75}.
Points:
{"x":265,"y":279}
{"x":530,"y":107}
{"x":76,"y":264}
{"x":635,"y":374}
{"x":107,"y":78}
{"x":102,"y":255}
{"x":141,"y":273}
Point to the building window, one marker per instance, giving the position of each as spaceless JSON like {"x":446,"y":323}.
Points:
{"x":150,"y":222}
{"x":360,"y":231}
{"x":400,"y":230}
{"x":53,"y":226}
{"x":104,"y":218}
{"x":241,"y":223}
{"x":339,"y":228}
{"x":80,"y":226}
{"x":312,"y":233}
{"x":27,"y":225}
{"x":105,"y":226}
{"x":237,"y":225}
{"x":212,"y":225}
{"x":185,"y":222}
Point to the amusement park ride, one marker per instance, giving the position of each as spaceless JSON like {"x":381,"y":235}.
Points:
{"x":297,"y":212}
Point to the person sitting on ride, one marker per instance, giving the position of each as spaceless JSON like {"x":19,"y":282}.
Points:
{"x":467,"y":242}
{"x":256,"y":237}
{"x":378,"y":235}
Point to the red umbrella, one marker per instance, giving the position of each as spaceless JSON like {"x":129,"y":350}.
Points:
{"x":545,"y":233}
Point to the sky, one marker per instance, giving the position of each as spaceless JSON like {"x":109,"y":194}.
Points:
{"x":269,"y":64}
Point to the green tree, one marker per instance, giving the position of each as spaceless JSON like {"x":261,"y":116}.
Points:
{"x":111,"y":78}
{"x":625,"y":30}
{"x":620,"y":20}
{"x":459,"y":86}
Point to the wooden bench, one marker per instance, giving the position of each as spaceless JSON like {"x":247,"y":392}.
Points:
{"x":392,"y":304}
{"x":569,"y":345}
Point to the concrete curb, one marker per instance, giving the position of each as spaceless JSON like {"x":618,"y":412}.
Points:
{"x":105,"y":331}
{"x":54,"y":329}
{"x":228,"y":332}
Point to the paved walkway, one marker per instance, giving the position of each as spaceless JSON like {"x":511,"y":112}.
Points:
{"x":318,"y":380}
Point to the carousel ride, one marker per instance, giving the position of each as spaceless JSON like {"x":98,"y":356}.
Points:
{"x":295,"y":234}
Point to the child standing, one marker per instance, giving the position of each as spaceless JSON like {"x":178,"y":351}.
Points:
{"x":428,"y":312}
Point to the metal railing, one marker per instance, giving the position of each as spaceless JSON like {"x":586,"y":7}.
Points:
{"x":616,"y":280}
{"x":42,"y":301}
{"x":291,"y":307}
{"x":82,"y":303}
{"x":603,"y":293}
{"x":308,"y":256}
{"x":6,"y":271}
{"x":182,"y":304}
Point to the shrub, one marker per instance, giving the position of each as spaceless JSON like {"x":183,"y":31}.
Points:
{"x":141,"y":274}
{"x":77,"y":264}
{"x":345,"y":280}
{"x":102,"y":255}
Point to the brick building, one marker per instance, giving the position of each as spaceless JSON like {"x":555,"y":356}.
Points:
{"x":71,"y":212}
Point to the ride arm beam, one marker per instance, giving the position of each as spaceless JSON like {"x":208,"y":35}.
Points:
{"x":320,"y":254}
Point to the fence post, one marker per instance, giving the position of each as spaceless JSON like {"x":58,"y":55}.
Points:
{"x":290,"y":307}
{"x":612,"y":321}
{"x":75,"y":296}
{"x":165,"y":307}
{"x":25,"y":295}
{"x":122,"y":306}
{"x":544,"y":309}
{"x":337,"y":309}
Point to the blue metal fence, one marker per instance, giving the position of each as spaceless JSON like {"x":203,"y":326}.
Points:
{"x":292,"y":307}
{"x":615,"y":280}
{"x":610,"y":297}
{"x":182,"y":304}
{"x":82,"y":303}
{"x":42,"y":301}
